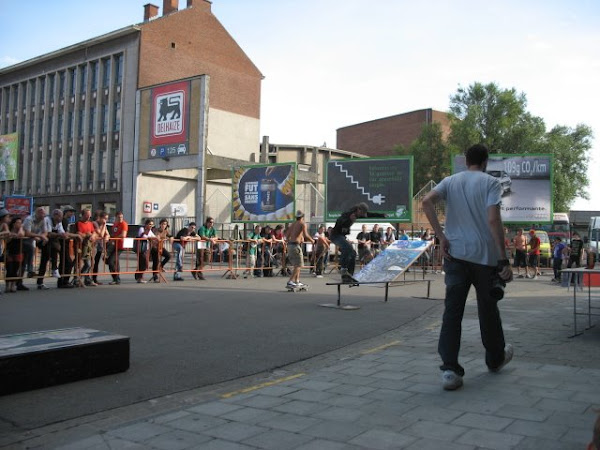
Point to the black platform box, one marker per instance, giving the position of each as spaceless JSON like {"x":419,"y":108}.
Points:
{"x":46,"y":358}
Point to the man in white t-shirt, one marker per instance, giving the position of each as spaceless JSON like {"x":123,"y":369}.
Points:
{"x":472,"y":244}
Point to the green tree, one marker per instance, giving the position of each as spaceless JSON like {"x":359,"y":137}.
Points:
{"x":431,"y":156}
{"x":499,"y":119}
{"x":570,"y":148}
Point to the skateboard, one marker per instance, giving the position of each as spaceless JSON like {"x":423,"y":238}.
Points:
{"x":349,"y":279}
{"x":297,"y":288}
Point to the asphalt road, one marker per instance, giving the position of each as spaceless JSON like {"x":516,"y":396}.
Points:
{"x":192,"y":334}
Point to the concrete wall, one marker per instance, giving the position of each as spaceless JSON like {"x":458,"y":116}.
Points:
{"x":223,"y":142}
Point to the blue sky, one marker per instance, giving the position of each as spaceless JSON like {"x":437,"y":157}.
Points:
{"x":333,"y":63}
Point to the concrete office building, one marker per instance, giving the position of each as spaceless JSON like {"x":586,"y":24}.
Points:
{"x":379,"y":137}
{"x":83,"y":115}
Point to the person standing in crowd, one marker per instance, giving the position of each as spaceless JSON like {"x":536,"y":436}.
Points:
{"x":185,"y":235}
{"x":338,"y":237}
{"x":376,"y":239}
{"x":321,"y":250}
{"x":208,"y":234}
{"x":364,"y":246}
{"x":86,"y":230}
{"x":575,"y":254}
{"x":68,"y":245}
{"x":296,"y":235}
{"x":56,"y":235}
{"x":278,"y":239}
{"x":520,"y":261}
{"x":158,"y":249}
{"x":35,"y":233}
{"x":557,"y":257}
{"x":145,"y":236}
{"x":48,"y":252}
{"x":472,"y":244}
{"x":253,"y":242}
{"x":403,"y":236}
{"x":390,"y":236}
{"x":4,"y":232}
{"x":14,"y":256}
{"x":118,"y":232}
{"x":266,"y":254}
{"x":102,"y":239}
{"x":533,"y":254}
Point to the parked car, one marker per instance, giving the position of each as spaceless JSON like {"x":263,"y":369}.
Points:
{"x":504,"y":179}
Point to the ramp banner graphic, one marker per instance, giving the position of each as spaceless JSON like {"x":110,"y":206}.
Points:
{"x":9,"y":153}
{"x":384,"y":184}
{"x":526,"y":181}
{"x":264,"y":193}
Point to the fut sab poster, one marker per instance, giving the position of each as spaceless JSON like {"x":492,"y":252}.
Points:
{"x":264,"y":193}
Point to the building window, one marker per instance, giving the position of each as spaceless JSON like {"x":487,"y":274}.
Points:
{"x":117,"y":117}
{"x":106,"y":72}
{"x":60,"y":127}
{"x":119,"y":68}
{"x":42,"y":90}
{"x":61,"y":84}
{"x":104,"y":119}
{"x":31,"y":133}
{"x":32,"y":92}
{"x":52,"y":79}
{"x":40,"y":131}
{"x":82,"y":79}
{"x":80,"y":123}
{"x":94,"y":74}
{"x":72,"y":81}
{"x":50,"y":117}
{"x":70,"y":125}
{"x":92,"y":128}
{"x":15,"y":97}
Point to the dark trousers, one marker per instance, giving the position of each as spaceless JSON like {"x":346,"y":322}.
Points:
{"x":166,"y":256}
{"x":556,"y":266}
{"x":142,"y":264}
{"x":66,"y":263}
{"x":112,"y":256}
{"x":347,"y":253}
{"x":44,"y":258}
{"x":97,"y":258}
{"x":460,"y":276}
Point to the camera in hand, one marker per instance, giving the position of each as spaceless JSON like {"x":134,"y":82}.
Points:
{"x":497,"y":289}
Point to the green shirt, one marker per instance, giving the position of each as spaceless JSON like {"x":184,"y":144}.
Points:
{"x":253,"y":245}
{"x":206,"y":232}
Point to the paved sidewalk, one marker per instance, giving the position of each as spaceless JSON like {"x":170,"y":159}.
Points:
{"x":384,"y":393}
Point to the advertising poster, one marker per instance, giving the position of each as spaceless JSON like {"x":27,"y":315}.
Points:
{"x":18,"y":205}
{"x":9,"y":152}
{"x":169,"y":120}
{"x":264,"y":193}
{"x":526,"y":181}
{"x":384,"y":184}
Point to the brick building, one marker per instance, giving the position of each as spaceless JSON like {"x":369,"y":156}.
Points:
{"x":79,"y":114}
{"x":379,"y":137}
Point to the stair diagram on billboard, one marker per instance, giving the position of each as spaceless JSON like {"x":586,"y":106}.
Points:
{"x":377,"y":199}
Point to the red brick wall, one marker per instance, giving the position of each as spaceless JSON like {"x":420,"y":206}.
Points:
{"x":201,"y":46}
{"x":379,"y":137}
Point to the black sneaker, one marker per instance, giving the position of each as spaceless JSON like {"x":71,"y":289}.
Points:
{"x":21,"y":287}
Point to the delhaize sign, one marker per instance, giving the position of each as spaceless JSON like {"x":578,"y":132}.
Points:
{"x":169,"y":127}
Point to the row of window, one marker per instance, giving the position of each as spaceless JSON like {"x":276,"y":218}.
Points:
{"x":72,"y":80}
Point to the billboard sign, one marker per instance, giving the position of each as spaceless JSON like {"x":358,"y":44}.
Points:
{"x":18,"y":205}
{"x":264,"y":193}
{"x":9,"y":153}
{"x":169,"y":120}
{"x":526,"y":181}
{"x":384,"y":184}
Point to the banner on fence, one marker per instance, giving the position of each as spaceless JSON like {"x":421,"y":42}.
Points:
{"x":9,"y":152}
{"x":526,"y":180}
{"x":384,"y":184}
{"x":263,"y":193}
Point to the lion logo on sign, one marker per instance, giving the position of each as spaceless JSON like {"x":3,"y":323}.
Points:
{"x":170,"y":105}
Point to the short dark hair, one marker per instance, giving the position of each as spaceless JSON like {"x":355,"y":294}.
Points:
{"x":477,"y":154}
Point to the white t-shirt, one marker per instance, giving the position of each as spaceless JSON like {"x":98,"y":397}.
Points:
{"x":468,"y":196}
